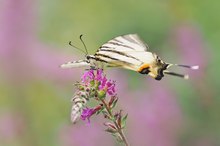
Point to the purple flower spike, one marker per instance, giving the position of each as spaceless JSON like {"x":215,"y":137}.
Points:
{"x":87,"y":113}
{"x":87,"y":76}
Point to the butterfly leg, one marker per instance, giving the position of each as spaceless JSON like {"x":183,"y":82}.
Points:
{"x":92,"y":68}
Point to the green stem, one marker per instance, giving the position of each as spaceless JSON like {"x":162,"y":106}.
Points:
{"x":120,"y":131}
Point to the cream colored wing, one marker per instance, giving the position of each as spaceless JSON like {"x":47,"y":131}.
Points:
{"x":130,"y":42}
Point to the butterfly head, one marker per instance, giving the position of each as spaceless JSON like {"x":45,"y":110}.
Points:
{"x":157,"y":69}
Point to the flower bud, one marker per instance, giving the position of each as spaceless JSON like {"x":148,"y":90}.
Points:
{"x":101,"y":94}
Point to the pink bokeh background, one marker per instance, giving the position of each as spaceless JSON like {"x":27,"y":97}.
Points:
{"x":155,"y":117}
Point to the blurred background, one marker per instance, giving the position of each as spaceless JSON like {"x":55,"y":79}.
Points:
{"x":35,"y":93}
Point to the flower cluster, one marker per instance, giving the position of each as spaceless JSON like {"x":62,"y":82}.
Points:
{"x":97,"y":76}
{"x":95,"y":86}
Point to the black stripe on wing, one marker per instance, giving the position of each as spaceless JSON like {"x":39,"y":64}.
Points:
{"x":117,"y":52}
{"x":119,"y":44}
{"x":115,"y":61}
{"x":116,"y":40}
{"x":130,"y":41}
{"x":96,"y":59}
{"x":134,"y":38}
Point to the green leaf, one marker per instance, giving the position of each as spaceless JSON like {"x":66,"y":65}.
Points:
{"x":97,"y":85}
{"x":114,"y":103}
{"x":104,"y":111}
{"x":123,"y":121}
{"x":111,"y":130}
{"x":81,"y":87}
{"x":106,"y":115}
{"x":92,"y":83}
{"x":118,"y":137}
{"x":99,"y":111}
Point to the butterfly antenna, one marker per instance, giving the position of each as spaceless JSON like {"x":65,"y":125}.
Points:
{"x":193,"y":67}
{"x":70,"y":43}
{"x":86,"y":51}
{"x":177,"y":74}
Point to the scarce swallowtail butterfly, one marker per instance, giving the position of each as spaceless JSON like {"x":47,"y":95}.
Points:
{"x":129,"y":52}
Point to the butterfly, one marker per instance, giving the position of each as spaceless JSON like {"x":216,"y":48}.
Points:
{"x":128,"y":52}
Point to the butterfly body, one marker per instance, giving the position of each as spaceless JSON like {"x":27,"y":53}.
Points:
{"x":128,"y":52}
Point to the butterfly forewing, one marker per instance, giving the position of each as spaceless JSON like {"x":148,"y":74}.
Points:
{"x":134,"y":38}
{"x":126,"y":51}
{"x":125,"y":43}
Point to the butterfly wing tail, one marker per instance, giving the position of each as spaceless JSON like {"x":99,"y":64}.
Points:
{"x":79,"y":63}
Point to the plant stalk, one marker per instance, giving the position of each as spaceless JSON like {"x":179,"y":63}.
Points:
{"x":120,"y":131}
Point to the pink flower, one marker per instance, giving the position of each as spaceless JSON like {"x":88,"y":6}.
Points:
{"x":99,"y":75}
{"x":87,"y":113}
{"x":110,"y":88}
{"x":108,"y":85}
{"x":103,"y":82}
{"x":87,"y":76}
